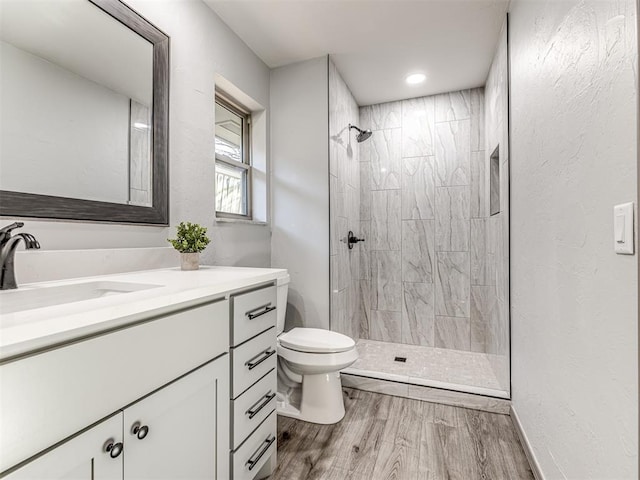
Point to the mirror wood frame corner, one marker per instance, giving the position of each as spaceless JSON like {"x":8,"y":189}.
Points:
{"x":20,"y":204}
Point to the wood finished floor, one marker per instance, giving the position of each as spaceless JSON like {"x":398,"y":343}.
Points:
{"x":392,"y":438}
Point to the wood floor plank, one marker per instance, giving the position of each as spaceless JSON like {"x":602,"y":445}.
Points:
{"x":441,"y":414}
{"x":396,"y":462}
{"x":404,"y":422}
{"x":393,"y":438}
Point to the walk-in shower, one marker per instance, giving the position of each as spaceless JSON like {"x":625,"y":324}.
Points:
{"x":426,"y":296}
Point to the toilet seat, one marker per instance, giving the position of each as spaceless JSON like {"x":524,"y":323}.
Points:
{"x":316,"y":340}
{"x":305,"y":363}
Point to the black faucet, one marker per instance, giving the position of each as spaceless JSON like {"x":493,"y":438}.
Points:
{"x":8,"y":245}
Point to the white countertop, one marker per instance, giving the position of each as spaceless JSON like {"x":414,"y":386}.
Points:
{"x":29,"y":330}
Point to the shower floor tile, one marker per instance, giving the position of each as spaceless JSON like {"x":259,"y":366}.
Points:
{"x":437,"y":367}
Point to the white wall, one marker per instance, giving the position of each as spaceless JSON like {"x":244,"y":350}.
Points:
{"x":202,"y":46}
{"x":54,"y":124}
{"x":300,"y":170}
{"x":574,"y":301}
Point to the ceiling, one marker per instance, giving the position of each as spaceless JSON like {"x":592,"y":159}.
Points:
{"x":79,"y":37}
{"x":375,"y":43}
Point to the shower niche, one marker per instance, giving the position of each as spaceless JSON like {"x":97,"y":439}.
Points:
{"x":428,"y":190}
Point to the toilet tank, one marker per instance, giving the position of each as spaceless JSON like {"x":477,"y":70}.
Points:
{"x":282,"y":285}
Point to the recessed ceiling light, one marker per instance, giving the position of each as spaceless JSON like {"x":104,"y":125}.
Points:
{"x":415,"y":78}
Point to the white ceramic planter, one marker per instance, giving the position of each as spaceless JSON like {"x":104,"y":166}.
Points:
{"x":190,"y":261}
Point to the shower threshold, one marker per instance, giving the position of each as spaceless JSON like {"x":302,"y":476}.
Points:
{"x":455,"y":370}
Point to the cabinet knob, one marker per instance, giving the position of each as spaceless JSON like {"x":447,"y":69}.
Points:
{"x":140,"y":431}
{"x":113,"y":449}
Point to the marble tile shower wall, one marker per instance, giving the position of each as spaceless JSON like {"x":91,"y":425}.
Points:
{"x":344,"y":208}
{"x":423,"y":207}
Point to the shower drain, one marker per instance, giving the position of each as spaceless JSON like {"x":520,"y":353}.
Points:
{"x":400,"y":359}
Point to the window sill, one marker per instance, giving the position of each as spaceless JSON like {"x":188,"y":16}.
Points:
{"x":241,"y":220}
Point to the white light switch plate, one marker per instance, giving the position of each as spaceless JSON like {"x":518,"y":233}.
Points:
{"x":623,"y":229}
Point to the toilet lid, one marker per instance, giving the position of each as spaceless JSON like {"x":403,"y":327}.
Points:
{"x":315,"y":340}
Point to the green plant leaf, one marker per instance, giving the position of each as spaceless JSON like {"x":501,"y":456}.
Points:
{"x":190,"y":238}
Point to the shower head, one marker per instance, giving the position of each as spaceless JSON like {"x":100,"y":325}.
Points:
{"x":362,"y":134}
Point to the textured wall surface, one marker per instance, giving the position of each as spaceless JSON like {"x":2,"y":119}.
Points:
{"x":574,"y":301}
{"x":300,"y":170}
{"x":344,"y":192}
{"x":202,"y":46}
{"x":427,"y":270}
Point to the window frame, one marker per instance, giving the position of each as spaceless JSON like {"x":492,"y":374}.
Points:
{"x":233,"y":106}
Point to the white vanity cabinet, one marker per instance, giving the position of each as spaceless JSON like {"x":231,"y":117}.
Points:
{"x":147,"y":370}
{"x":184,"y":389}
{"x":253,"y":383}
{"x":175,"y":432}
{"x":81,"y":458}
{"x":172,"y":433}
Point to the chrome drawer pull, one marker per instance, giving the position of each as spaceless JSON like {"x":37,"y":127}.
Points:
{"x":253,"y":462}
{"x":253,"y":411}
{"x":258,"y":312}
{"x":253,"y":363}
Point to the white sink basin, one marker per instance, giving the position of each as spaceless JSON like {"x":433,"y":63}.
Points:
{"x":38,"y":297}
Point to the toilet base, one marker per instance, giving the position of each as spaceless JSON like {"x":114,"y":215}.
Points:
{"x":321,"y":400}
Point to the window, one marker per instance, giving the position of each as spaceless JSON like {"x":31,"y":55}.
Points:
{"x":233,"y":159}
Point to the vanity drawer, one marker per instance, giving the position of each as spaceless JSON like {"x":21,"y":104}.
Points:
{"x":252,"y":407}
{"x":252,"y":313}
{"x":252,"y":360}
{"x":255,"y":451}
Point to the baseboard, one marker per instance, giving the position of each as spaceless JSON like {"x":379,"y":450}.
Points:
{"x":526,"y":446}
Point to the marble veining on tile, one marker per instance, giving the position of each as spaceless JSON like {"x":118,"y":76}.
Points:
{"x":385,"y":326}
{"x":452,"y":219}
{"x":418,"y":306}
{"x":363,"y":250}
{"x":477,"y":119}
{"x":386,"y":159}
{"x":365,"y":191}
{"x":452,"y":284}
{"x":385,"y":220}
{"x":386,"y":115}
{"x":418,"y":251}
{"x":452,"y":332}
{"x":483,"y":309}
{"x":453,"y":106}
{"x":418,"y":188}
{"x":365,"y":305}
{"x":425,"y":251}
{"x":344,"y":206}
{"x":418,"y":123}
{"x":482,"y":262}
{"x":453,"y":153}
{"x":478,"y":199}
{"x":386,"y":281}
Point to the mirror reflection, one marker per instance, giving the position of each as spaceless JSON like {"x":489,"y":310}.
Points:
{"x":77,"y":89}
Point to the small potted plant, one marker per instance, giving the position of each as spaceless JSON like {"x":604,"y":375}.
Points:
{"x":190,"y":240}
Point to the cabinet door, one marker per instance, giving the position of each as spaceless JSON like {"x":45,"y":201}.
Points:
{"x":83,"y":457}
{"x":182,"y":430}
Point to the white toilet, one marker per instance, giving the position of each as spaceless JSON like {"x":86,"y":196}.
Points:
{"x":309,"y":364}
